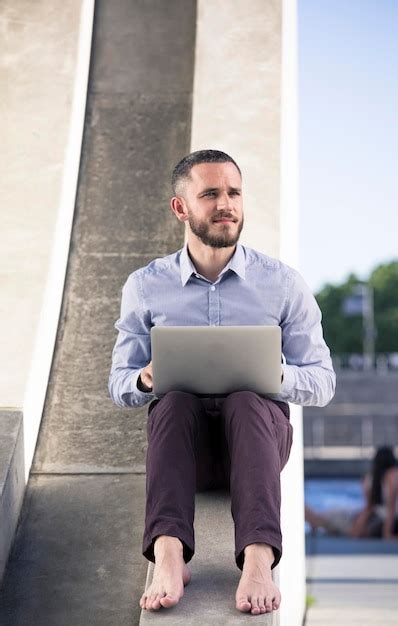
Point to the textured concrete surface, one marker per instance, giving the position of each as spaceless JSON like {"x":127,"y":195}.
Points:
{"x":36,"y":85}
{"x":210,"y":596}
{"x":352,"y":581}
{"x":77,"y":554}
{"x":12,"y":481}
{"x":242,"y":115}
{"x":137,"y":127}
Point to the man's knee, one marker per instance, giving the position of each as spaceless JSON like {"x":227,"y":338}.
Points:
{"x":241,"y":399}
{"x":247,"y":406}
{"x":240,"y":396}
{"x":181,"y":398}
{"x":176,"y":406}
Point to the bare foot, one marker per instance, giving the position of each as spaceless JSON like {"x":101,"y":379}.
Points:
{"x":170,"y":576}
{"x":256,"y":591}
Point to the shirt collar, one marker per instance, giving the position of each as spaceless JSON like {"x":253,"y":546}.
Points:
{"x":237,"y":263}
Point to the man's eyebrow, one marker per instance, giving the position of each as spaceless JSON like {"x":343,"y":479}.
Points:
{"x":209,"y":189}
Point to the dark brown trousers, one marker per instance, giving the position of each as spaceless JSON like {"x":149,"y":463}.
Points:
{"x":241,"y":447}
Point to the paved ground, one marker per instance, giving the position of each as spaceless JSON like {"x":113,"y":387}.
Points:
{"x":77,"y":554}
{"x":352,"y":582}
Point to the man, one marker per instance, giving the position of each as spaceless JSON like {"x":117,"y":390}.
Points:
{"x":243,"y":440}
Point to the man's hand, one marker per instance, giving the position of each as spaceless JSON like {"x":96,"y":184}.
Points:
{"x":147,"y":377}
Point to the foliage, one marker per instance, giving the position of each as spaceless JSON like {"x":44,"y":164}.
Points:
{"x":309,"y":601}
{"x":344,"y":334}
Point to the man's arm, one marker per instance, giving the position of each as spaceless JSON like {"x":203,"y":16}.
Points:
{"x":132,"y":351}
{"x":308,"y":375}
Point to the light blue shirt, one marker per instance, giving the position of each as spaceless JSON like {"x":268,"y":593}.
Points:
{"x":252,"y":289}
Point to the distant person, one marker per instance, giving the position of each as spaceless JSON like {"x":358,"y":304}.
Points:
{"x":244,"y":442}
{"x":379,"y":517}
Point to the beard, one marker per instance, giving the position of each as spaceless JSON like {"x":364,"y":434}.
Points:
{"x":215,"y":236}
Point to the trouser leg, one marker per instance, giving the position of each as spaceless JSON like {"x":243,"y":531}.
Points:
{"x":259,"y":438}
{"x":176,"y":435}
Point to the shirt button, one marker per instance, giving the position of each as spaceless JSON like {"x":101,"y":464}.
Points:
{"x":213,"y":288}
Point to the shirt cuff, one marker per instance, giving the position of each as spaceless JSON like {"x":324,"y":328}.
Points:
{"x":134,"y":381}
{"x":289,"y":379}
{"x":132,"y":391}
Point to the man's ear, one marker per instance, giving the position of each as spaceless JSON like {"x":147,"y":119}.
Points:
{"x":178,"y":206}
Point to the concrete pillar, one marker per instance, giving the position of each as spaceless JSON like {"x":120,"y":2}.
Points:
{"x":244,"y":103}
{"x":43,"y":100}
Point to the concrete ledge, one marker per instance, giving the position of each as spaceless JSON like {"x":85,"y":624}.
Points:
{"x":325,"y":544}
{"x":335,"y":468}
{"x":210,"y":596}
{"x":12,"y":480}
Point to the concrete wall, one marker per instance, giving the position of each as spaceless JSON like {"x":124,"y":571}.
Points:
{"x":45,"y":56}
{"x":137,"y":127}
{"x":245,"y":104}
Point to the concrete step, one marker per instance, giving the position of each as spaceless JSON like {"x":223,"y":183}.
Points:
{"x":12,"y":483}
{"x":210,"y":596}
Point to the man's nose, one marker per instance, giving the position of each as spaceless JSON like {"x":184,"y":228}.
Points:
{"x":224,"y":201}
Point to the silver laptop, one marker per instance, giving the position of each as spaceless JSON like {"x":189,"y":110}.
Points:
{"x":216,"y":360}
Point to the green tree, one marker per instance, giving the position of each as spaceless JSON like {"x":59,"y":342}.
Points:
{"x":344,"y":334}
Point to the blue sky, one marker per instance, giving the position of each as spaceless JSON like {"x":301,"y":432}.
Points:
{"x":348,"y":134}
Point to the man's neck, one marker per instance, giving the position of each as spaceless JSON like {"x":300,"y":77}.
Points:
{"x":210,"y":261}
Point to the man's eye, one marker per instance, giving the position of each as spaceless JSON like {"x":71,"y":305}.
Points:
{"x":234,"y":193}
{"x":210,"y":193}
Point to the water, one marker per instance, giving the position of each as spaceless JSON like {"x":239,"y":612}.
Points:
{"x":322,"y":494}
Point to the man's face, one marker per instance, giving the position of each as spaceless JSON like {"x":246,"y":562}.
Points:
{"x":215,"y":192}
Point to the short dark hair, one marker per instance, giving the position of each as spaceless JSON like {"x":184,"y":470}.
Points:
{"x":181,"y":172}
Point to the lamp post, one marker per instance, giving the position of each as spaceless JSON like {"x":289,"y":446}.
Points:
{"x":360,"y":302}
{"x":368,"y":327}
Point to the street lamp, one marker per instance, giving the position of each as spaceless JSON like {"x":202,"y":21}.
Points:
{"x":360,"y":302}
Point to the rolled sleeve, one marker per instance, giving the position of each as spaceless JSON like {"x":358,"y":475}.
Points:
{"x":308,"y":375}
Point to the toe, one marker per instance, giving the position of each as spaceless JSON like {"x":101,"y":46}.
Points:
{"x":268,"y":604}
{"x":153,"y":599}
{"x":169,"y":600}
{"x":149,"y":602}
{"x":255,"y":608}
{"x":243,"y":604}
{"x":261,"y":605}
{"x":276,"y":601}
{"x":156,"y":603}
{"x":142,"y":601}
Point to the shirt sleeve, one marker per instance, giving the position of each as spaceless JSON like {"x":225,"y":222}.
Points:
{"x":132,"y":350}
{"x":308,"y":375}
